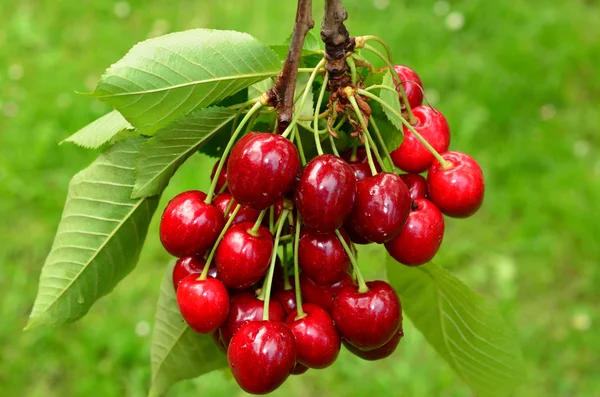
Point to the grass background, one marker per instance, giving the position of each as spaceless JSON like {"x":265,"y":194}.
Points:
{"x":518,"y":82}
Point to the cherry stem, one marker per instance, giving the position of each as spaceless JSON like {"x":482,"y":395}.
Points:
{"x":333,"y":147}
{"x":223,"y":188}
{"x":316,"y":118}
{"x":229,"y":207}
{"x":258,"y":222}
{"x":214,"y":248}
{"x":388,"y":50}
{"x":286,"y":278}
{"x":435,"y":153}
{"x":362,"y":286}
{"x":269,"y":279}
{"x":386,"y":152}
{"x":311,"y":118}
{"x":376,"y":151}
{"x":272,"y":219}
{"x":298,"y":141}
{"x":352,"y":65}
{"x":380,"y":86}
{"x":352,"y":100}
{"x":237,"y":131}
{"x":354,"y":151}
{"x":300,"y":311}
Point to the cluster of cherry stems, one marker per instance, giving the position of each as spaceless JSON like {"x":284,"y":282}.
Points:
{"x":228,"y":244}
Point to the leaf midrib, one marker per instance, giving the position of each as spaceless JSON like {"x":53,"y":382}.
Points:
{"x":181,"y":333}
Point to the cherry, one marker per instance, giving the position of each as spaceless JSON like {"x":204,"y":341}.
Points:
{"x":360,"y":163}
{"x":367,"y":320}
{"x":412,"y":155}
{"x":245,"y":306}
{"x":317,"y":340}
{"x":353,"y":234}
{"x":381,"y":207}
{"x":261,"y":356}
{"x":411,"y":83}
{"x":262,"y":168}
{"x":322,"y":256}
{"x":325,"y":193}
{"x":287,"y":299}
{"x":416,"y":184}
{"x":299,"y":369}
{"x":204,"y":304}
{"x":457,"y":191}
{"x":243,"y":256}
{"x":222,"y":176}
{"x":421,"y":237}
{"x":379,"y":353}
{"x":189,"y":226}
{"x":190,"y":265}
{"x":322,"y":295}
{"x":244,"y":214}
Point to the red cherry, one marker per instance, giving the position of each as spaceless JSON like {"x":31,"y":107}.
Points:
{"x":245,"y":214}
{"x":458,"y":191}
{"x":322,"y":295}
{"x":411,"y":83}
{"x":381,"y":207}
{"x":261,"y":356}
{"x":243,"y":257}
{"x":190,"y":265}
{"x":299,"y":369}
{"x":262,"y":169}
{"x":317,"y":340}
{"x":421,"y":237}
{"x":412,"y":155}
{"x":189,"y":226}
{"x":379,"y":353}
{"x":416,"y":184}
{"x":287,"y":299}
{"x":322,"y":256}
{"x":353,"y":234}
{"x":245,"y":306}
{"x":367,"y":320}
{"x":325,"y":193}
{"x":360,"y":163}
{"x":222,"y":176}
{"x":204,"y":304}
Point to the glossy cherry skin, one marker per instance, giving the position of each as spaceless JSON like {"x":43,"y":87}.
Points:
{"x":322,"y":295}
{"x":325,"y":193}
{"x":360,"y":163}
{"x":412,"y":156}
{"x":317,"y":340}
{"x":416,"y":184}
{"x":367,"y":320}
{"x":299,"y":369}
{"x":322,"y":256}
{"x":421,"y":237}
{"x":262,"y":169}
{"x":287,"y":299}
{"x":244,"y":307}
{"x":458,"y":191}
{"x":353,"y":234}
{"x":204,"y":304}
{"x":222,"y":176}
{"x":412,"y":84}
{"x":242,"y":258}
{"x":381,"y":207}
{"x":379,"y":353}
{"x":190,"y":265}
{"x":189,"y":226}
{"x":244,"y":214}
{"x":261,"y":356}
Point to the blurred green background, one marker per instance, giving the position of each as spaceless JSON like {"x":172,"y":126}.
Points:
{"x":518,"y":82}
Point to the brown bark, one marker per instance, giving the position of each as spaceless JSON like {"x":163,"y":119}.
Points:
{"x":336,"y":38}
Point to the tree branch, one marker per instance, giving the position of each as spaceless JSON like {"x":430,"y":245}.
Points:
{"x":336,"y":38}
{"x":285,"y":86}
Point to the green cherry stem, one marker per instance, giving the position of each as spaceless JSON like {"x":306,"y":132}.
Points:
{"x":301,"y":313}
{"x":435,"y":153}
{"x":286,"y":269}
{"x":362,"y":286}
{"x":258,"y":222}
{"x":386,"y":152}
{"x":380,"y":86}
{"x":229,"y":206}
{"x":214,"y":248}
{"x":316,"y":117}
{"x":376,"y":151}
{"x":352,"y":100}
{"x":350,"y":62}
{"x":385,"y":45}
{"x":269,"y":279}
{"x":333,"y":147}
{"x":298,"y":140}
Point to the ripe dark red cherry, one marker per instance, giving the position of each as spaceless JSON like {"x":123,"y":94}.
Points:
{"x":190,"y":265}
{"x":412,"y":155}
{"x":222,"y":176}
{"x":379,"y":353}
{"x":317,"y":340}
{"x":287,"y":299}
{"x":325,"y":193}
{"x":262,"y":169}
{"x":242,"y":257}
{"x":244,"y":307}
{"x":458,"y":191}
{"x":204,"y":304}
{"x":322,"y":256}
{"x":299,"y":369}
{"x":416,"y":184}
{"x":421,"y":237}
{"x":261,"y":356}
{"x":381,"y":207}
{"x":245,"y":214}
{"x":322,"y":295}
{"x":411,"y":83}
{"x":360,"y":163}
{"x":367,"y":320}
{"x":189,"y":226}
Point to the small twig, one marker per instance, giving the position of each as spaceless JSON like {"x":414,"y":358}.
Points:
{"x":336,"y":38}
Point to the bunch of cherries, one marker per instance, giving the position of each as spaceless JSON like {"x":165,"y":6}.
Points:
{"x":229,"y":279}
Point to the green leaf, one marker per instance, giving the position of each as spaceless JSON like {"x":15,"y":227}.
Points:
{"x":391,"y":98}
{"x":256,"y":90}
{"x":178,"y":352}
{"x":169,"y":148}
{"x":100,"y":131}
{"x":309,"y":108}
{"x":164,"y":78}
{"x":392,"y":136}
{"x":99,"y":238}
{"x":312,"y":46}
{"x":464,"y":329}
